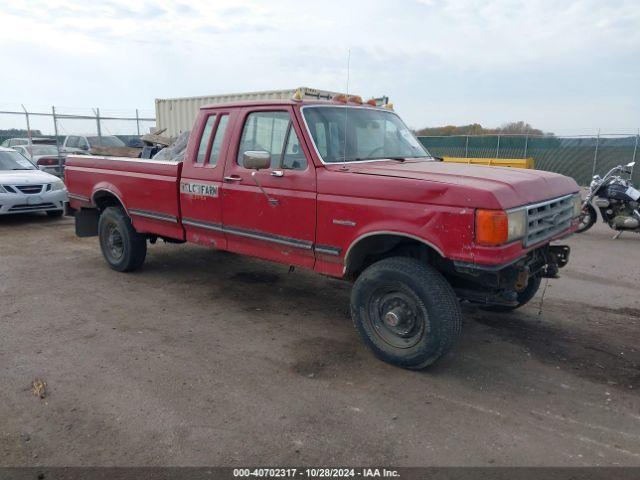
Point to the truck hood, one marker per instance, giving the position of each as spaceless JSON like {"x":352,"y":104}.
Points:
{"x":510,"y":187}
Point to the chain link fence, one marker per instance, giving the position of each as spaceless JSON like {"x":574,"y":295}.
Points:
{"x":578,"y":156}
{"x":18,"y":121}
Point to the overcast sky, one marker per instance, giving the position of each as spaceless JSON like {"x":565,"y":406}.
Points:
{"x":563,"y":66}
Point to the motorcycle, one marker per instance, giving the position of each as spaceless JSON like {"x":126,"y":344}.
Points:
{"x":617,"y":200}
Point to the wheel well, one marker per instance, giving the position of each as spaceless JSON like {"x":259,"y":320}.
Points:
{"x":376,"y":247}
{"x":103,"y":199}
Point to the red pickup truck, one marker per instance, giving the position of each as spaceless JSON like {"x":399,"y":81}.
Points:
{"x":344,"y":188}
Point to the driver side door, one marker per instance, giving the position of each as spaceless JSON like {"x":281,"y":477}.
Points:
{"x":276,"y":222}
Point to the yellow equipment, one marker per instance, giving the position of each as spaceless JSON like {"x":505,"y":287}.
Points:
{"x":496,"y":162}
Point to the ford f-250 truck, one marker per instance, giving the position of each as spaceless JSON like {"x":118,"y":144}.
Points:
{"x":343,"y":188}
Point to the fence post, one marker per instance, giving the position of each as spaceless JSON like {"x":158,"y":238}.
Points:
{"x":635,"y":150}
{"x":466,"y":147}
{"x":55,"y":130}
{"x":498,"y":148}
{"x":138,"y":121}
{"x":26,"y":114}
{"x":97,"y":112}
{"x":526,"y":144}
{"x":595,"y":155}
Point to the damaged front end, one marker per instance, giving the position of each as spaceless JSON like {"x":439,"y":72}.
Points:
{"x":499,"y":285}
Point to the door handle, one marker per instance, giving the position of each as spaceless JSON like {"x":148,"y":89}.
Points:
{"x":277,"y":173}
{"x":233,"y":178}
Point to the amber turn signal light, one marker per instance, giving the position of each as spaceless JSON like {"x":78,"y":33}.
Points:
{"x":492,"y":227}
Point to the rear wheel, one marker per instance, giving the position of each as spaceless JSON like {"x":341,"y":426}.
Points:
{"x":587,"y":218}
{"x":123,"y":248}
{"x":405,"y":311}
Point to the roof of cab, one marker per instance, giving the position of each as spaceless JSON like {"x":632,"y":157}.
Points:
{"x":281,"y":102}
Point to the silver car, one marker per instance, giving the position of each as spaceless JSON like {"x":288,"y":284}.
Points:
{"x":24,"y":188}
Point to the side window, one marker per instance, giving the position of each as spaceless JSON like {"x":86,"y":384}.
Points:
{"x":204,"y":140}
{"x":293,"y":158}
{"x":217,"y":140}
{"x":83,"y":143}
{"x":72,"y":142}
{"x":264,"y":131}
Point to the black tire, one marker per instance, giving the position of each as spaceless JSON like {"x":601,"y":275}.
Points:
{"x":55,"y":213}
{"x":524,"y":296}
{"x":123,"y":248}
{"x":587,"y":218}
{"x":419,"y":299}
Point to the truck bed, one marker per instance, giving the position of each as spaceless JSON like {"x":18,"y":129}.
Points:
{"x":148,"y":189}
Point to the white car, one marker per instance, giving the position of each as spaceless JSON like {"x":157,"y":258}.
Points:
{"x":24,"y":188}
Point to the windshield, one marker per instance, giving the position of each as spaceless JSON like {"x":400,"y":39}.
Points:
{"x":371,"y":134}
{"x":14,"y":161}
{"x":105,"y":141}
{"x":43,"y":150}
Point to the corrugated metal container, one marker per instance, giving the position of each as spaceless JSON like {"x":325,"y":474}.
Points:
{"x":178,"y":114}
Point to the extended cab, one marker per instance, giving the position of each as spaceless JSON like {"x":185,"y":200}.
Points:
{"x":343,"y":188}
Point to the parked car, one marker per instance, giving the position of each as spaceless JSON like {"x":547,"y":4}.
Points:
{"x":24,"y":188}
{"x":343,"y":188}
{"x":46,"y":157}
{"x":12,"y":142}
{"x":84,"y":143}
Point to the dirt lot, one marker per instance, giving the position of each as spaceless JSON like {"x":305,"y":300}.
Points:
{"x":207,"y":358}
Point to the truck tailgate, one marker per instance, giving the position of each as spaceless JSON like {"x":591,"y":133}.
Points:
{"x":147,"y":189}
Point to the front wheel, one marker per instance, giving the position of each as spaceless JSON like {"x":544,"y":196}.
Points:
{"x":406,"y":312}
{"x":587,"y":218}
{"x":123,"y":248}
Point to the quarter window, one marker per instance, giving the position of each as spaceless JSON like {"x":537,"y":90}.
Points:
{"x":217,"y":140}
{"x":204,"y":140}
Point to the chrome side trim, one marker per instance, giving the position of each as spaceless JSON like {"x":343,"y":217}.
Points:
{"x":81,"y":198}
{"x":153,"y":215}
{"x":328,"y":250}
{"x":290,"y":242}
{"x":267,"y":237}
{"x":216,"y":227}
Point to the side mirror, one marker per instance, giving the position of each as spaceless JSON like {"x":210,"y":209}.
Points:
{"x":84,"y":147}
{"x":256,"y":159}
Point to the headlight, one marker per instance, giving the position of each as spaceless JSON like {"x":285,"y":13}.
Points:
{"x":577,"y":205}
{"x":517,"y":224}
{"x":59,"y":185}
{"x":497,"y":227}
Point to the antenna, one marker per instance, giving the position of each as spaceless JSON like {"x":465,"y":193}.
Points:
{"x":346,"y":109}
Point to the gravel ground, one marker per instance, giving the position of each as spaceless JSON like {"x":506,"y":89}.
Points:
{"x":208,"y":358}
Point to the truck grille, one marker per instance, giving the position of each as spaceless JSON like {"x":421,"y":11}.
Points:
{"x":546,"y":219}
{"x":30,"y":189}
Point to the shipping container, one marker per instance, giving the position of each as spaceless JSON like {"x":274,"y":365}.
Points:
{"x":177,"y":114}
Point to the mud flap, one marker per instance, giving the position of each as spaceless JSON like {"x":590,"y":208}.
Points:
{"x":87,"y":222}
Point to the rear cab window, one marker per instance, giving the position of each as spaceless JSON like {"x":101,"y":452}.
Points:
{"x":212,"y":139}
